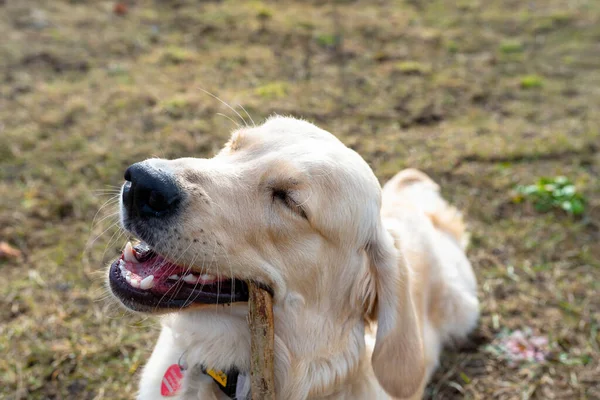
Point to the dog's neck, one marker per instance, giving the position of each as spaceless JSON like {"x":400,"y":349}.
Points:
{"x":324,"y":359}
{"x":315,"y":360}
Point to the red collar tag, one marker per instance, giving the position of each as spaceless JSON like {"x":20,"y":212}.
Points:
{"x":171,"y":381}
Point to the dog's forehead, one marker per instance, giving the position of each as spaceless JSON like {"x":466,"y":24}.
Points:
{"x":296,"y":128}
{"x":305,"y":146}
{"x":281,"y":133}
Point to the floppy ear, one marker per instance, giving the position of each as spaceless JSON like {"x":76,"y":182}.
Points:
{"x":398,"y":358}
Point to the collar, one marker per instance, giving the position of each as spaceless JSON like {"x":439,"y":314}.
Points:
{"x":234,"y":385}
{"x":231,"y":382}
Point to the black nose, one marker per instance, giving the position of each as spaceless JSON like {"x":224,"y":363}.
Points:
{"x":149,"y":192}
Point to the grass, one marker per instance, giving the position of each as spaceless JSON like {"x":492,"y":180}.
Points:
{"x":532,"y":82}
{"x":453,"y":88}
{"x":511,"y":46}
{"x":413,"y":68}
{"x":272,"y":90}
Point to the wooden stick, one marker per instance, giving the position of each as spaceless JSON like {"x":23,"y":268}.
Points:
{"x":260,"y":321}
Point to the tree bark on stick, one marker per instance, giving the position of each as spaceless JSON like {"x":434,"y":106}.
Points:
{"x":260,"y":321}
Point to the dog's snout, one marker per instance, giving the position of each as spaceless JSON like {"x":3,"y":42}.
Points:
{"x":150,"y":192}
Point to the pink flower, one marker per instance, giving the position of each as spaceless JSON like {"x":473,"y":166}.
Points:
{"x":521,"y":345}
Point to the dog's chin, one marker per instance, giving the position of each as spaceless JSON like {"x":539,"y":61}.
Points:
{"x":145,"y":281}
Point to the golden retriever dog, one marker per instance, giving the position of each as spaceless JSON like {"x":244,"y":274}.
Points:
{"x":368,"y":283}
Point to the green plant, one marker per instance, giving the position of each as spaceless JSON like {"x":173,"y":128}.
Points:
{"x":511,"y":47}
{"x":452,"y":46}
{"x":263,"y":15}
{"x":273,"y":90}
{"x":412,"y":68}
{"x":548,"y":193}
{"x":531,"y":82}
{"x":328,"y":40}
{"x":177,"y":55}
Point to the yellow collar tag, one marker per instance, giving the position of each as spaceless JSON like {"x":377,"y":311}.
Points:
{"x":218,"y":376}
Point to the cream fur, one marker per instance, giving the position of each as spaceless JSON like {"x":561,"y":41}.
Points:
{"x":367,"y":288}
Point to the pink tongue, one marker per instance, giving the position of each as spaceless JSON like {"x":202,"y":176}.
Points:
{"x":158,"y":267}
{"x":161,"y":269}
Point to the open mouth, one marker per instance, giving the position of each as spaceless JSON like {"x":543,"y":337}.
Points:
{"x":144,"y":280}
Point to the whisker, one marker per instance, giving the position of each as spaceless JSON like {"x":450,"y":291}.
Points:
{"x":107,"y":216}
{"x":253,"y":124}
{"x":232,"y":279}
{"x":102,"y":191}
{"x":174,"y":262}
{"x":114,"y":199}
{"x":107,"y":203}
{"x":112,"y":241}
{"x":202,"y":286}
{"x":229,"y":118}
{"x":307,"y":199}
{"x":115,"y":189}
{"x":191,"y":264}
{"x":218,"y":275}
{"x":91,"y":243}
{"x":225,"y":104}
{"x":106,"y":193}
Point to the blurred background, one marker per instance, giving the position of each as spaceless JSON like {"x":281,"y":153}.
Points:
{"x":496,"y":99}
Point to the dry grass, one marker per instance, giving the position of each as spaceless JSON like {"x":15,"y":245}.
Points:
{"x":482,"y":95}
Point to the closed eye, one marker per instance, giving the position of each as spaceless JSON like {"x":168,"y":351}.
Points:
{"x":284,"y":197}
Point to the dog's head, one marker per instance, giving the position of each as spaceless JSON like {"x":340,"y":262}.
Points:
{"x":288,"y":206}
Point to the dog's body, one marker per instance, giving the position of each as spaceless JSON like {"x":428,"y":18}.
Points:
{"x":367,"y":288}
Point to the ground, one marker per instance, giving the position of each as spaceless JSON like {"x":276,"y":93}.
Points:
{"x":482,"y":95}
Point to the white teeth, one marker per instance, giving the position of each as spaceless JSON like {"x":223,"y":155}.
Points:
{"x":147,"y":282}
{"x":174,"y":277}
{"x":128,"y":278}
{"x":135,"y":283}
{"x":191,"y":278}
{"x":128,"y":254}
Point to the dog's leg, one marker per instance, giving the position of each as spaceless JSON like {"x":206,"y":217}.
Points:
{"x":165,"y":353}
